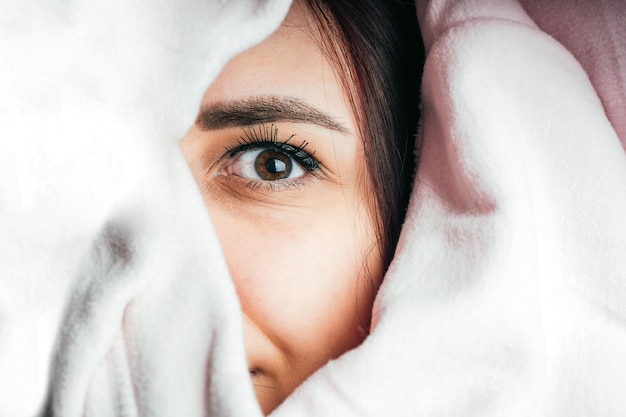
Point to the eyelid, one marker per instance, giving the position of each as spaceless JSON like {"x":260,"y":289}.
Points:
{"x":263,"y":136}
{"x":298,"y":153}
{"x":267,"y":138}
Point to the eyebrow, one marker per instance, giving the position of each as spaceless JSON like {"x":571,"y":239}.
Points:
{"x":265,"y":109}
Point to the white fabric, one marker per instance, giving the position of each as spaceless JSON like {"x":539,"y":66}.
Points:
{"x":507,"y":294}
{"x":100,"y":215}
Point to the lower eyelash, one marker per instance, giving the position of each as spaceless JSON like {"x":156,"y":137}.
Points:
{"x":276,"y":185}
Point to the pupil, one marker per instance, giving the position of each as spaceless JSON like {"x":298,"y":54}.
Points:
{"x":275,"y":166}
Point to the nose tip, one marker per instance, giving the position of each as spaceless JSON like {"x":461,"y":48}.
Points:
{"x":255,"y":343}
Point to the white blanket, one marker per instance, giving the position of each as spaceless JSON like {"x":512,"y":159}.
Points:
{"x":507,"y":293}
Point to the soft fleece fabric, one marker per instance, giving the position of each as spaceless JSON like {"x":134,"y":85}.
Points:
{"x":507,"y":293}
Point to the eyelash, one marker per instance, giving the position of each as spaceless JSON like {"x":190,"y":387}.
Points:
{"x":266,"y":137}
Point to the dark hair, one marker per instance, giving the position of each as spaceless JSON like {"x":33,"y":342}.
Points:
{"x":377,"y":52}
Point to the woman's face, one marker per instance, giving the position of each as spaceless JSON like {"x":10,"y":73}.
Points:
{"x":277,"y":157}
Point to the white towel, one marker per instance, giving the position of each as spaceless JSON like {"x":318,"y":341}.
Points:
{"x":507,"y":293}
{"x":114,"y":297}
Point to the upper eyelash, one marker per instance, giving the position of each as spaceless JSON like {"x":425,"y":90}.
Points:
{"x":265,"y":136}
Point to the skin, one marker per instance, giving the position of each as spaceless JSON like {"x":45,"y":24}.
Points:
{"x":298,"y":248}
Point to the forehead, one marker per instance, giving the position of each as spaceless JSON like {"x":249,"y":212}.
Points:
{"x":288,"y":63}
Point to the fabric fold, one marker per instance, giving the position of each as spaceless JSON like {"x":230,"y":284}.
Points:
{"x":502,"y":296}
{"x":99,"y":213}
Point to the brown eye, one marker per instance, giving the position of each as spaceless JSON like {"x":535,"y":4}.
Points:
{"x":271,"y":165}
{"x":267,"y":164}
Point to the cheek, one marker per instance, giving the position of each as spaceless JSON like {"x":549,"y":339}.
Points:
{"x":300,"y":275}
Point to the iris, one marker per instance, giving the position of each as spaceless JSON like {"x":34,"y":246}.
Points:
{"x":271,"y":165}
